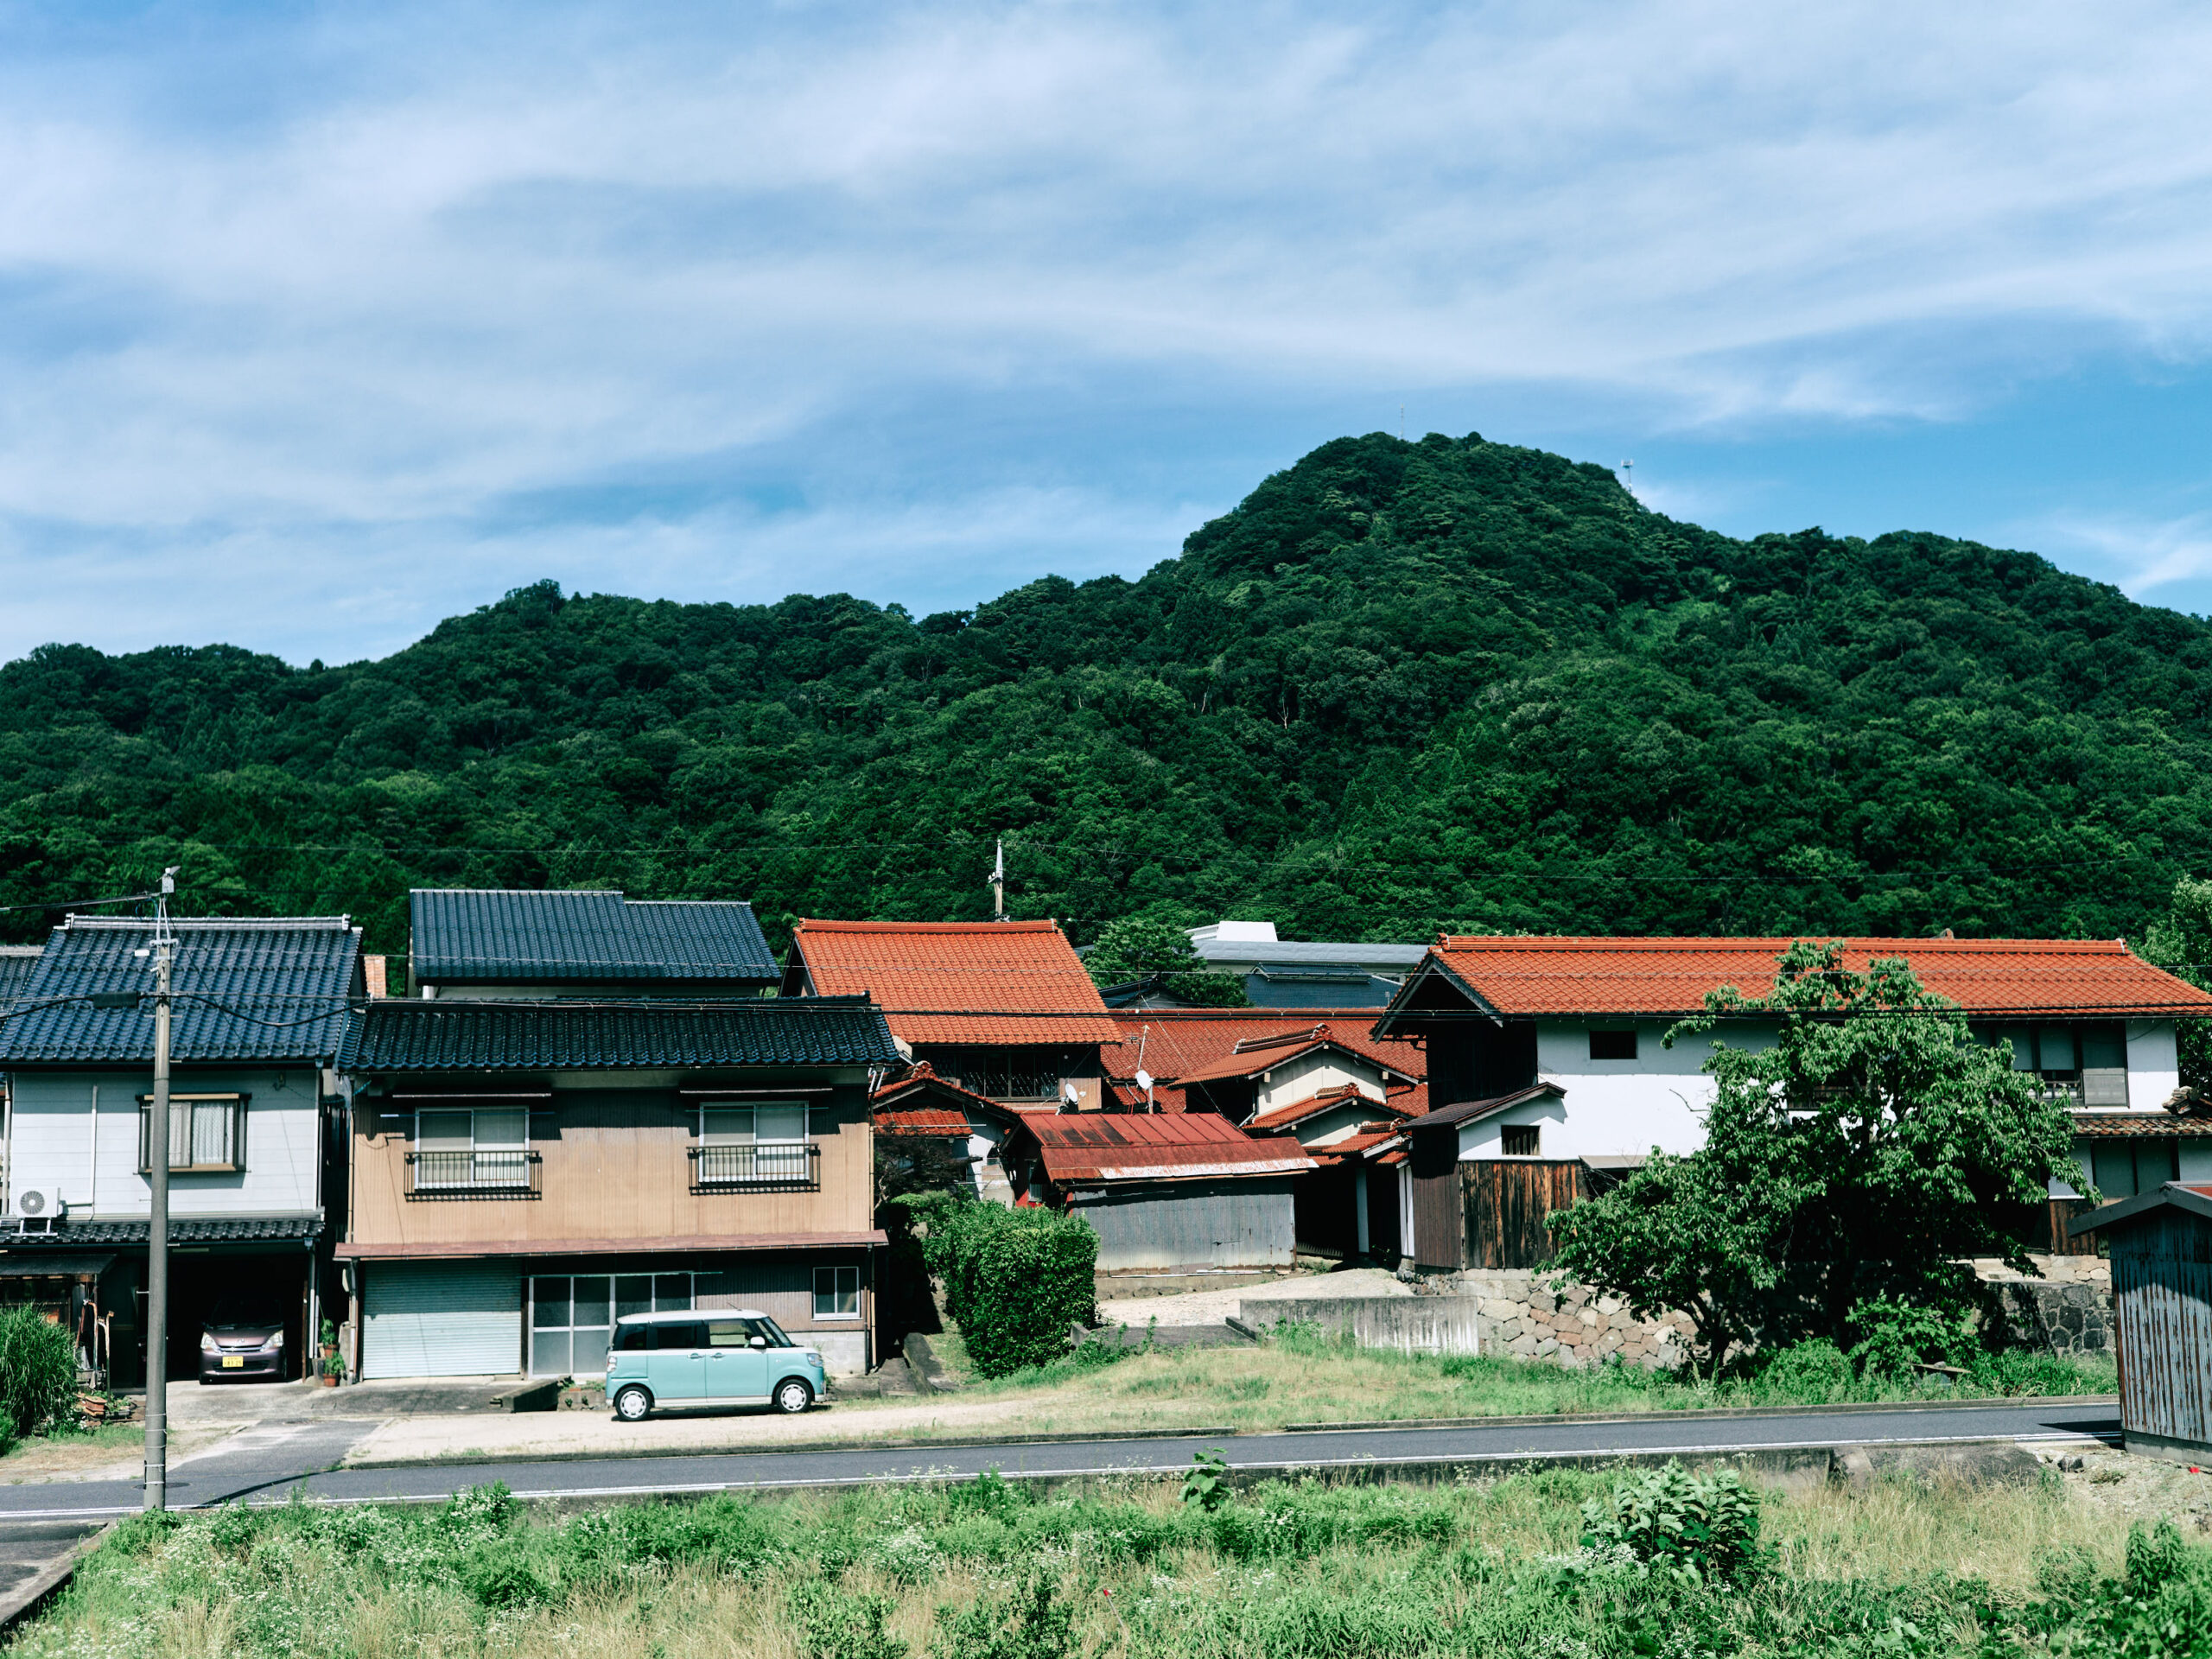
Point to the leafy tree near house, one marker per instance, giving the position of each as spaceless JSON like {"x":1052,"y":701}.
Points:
{"x":1138,"y":947}
{"x":2180,"y":942}
{"x":1852,"y":1166}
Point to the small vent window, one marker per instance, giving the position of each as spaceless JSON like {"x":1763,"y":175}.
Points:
{"x":1520,"y":1139}
{"x":1612,"y":1045}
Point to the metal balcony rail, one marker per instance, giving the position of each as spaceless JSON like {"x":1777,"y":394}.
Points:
{"x":481,"y":1174}
{"x":793,"y":1168}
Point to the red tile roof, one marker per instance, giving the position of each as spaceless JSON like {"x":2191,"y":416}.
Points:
{"x":1177,"y":1041}
{"x":1327,"y":1100}
{"x":1249,"y":1060}
{"x":1079,"y":1147}
{"x":990,"y":982}
{"x":1671,"y":977}
{"x":2097,"y":1125}
{"x":1352,"y":1146}
{"x":922,"y":1097}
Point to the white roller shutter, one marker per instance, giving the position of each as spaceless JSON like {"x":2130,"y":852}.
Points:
{"x":441,"y":1318}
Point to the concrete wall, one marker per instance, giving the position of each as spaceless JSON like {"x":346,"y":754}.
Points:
{"x":1501,"y":1313}
{"x":58,"y":1144}
{"x":1411,"y":1324}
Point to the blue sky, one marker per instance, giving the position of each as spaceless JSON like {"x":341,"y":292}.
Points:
{"x":319,"y":324}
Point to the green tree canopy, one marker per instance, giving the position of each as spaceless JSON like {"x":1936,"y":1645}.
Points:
{"x":2180,"y":942}
{"x":1138,"y":948}
{"x":1858,"y":1161}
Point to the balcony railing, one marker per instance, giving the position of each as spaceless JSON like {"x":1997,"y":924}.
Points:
{"x":471,"y":1175}
{"x":794,"y":1168}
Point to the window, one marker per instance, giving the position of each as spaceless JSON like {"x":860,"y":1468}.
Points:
{"x":2084,"y":1063}
{"x":571,"y":1316}
{"x":207,"y":1134}
{"x":483,"y":1147}
{"x":1612,"y":1045}
{"x":766,"y":1144}
{"x":2122,"y":1168}
{"x":836,"y":1292}
{"x":1520,"y":1139}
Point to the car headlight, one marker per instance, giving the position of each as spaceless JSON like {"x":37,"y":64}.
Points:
{"x":274,"y":1342}
{"x":207,"y":1343}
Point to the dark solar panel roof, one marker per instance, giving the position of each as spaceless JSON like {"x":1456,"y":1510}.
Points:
{"x":466,"y":936}
{"x":449,"y":1034}
{"x":245,"y":990}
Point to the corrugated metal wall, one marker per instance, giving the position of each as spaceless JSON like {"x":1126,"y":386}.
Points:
{"x":2162,"y":1282}
{"x":1194,"y":1224}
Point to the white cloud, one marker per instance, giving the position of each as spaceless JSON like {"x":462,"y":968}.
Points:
{"x":467,"y":255}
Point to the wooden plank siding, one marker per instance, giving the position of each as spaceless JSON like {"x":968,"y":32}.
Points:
{"x":1508,"y":1203}
{"x":1440,"y":1240}
{"x":2162,"y":1289}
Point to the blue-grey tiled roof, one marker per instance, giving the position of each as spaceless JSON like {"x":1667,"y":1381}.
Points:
{"x":449,"y":1034}
{"x":238,"y":1230}
{"x":463,"y":935}
{"x":245,"y":990}
{"x":16,"y":961}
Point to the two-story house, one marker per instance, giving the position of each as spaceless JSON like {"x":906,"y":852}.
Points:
{"x":1004,"y":1009}
{"x":597,"y":1114}
{"x":1547,"y":1067}
{"x":259,"y":1010}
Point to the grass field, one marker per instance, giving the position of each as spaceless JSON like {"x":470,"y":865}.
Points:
{"x":1300,"y":1377}
{"x":987,"y":1570}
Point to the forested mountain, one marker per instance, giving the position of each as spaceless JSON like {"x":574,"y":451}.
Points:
{"x":1402,"y":686}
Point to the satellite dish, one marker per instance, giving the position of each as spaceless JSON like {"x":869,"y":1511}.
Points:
{"x":1070,"y":1094}
{"x":1144,"y":1080}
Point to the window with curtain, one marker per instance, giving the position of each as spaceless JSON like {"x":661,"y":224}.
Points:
{"x":474,"y":1146}
{"x":762,"y":1142}
{"x":207,"y":1134}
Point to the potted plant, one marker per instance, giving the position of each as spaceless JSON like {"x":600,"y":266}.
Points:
{"x":334,"y":1367}
{"x":330,"y":1338}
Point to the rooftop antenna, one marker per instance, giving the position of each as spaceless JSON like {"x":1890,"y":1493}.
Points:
{"x":998,"y":884}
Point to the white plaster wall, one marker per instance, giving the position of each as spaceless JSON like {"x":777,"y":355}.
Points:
{"x":1616,"y":1109}
{"x":1301,"y":1079}
{"x":2153,"y":1067}
{"x":1327,"y":1127}
{"x":53,"y":1143}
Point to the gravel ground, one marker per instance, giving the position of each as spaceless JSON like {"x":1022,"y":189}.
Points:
{"x":1212,"y":1307}
{"x":2136,"y":1488}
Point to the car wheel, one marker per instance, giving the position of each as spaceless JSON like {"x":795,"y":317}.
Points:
{"x":793,"y":1396}
{"x":632,"y":1404}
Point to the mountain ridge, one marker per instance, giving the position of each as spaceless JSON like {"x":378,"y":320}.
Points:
{"x":1402,"y":685}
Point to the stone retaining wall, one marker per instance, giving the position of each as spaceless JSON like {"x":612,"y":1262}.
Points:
{"x":1574,"y":1325}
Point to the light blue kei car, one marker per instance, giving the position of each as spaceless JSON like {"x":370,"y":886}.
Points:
{"x":734,"y":1357}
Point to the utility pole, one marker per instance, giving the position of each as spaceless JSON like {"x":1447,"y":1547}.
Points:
{"x":157,"y":1235}
{"x":998,"y":884}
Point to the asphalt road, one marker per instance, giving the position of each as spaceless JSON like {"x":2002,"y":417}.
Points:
{"x":270,"y":1464}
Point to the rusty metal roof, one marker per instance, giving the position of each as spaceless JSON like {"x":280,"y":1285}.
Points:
{"x":1079,"y":1147}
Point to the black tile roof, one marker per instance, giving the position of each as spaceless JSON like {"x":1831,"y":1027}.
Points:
{"x":244,"y":1229}
{"x":245,"y":990}
{"x":464,"y":936}
{"x":18,"y":962}
{"x":450,"y":1034}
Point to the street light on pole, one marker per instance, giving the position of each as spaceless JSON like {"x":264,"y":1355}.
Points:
{"x":157,"y":1233}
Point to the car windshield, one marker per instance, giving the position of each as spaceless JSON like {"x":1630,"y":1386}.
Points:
{"x":774,"y":1332}
{"x":247,"y":1309}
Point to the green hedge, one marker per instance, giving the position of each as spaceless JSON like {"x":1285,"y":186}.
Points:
{"x":38,"y":1374}
{"x":1014,"y":1279}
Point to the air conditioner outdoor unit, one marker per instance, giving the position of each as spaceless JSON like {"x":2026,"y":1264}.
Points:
{"x":39,"y":1209}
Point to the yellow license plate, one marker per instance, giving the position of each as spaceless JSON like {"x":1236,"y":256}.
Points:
{"x":233,"y":1362}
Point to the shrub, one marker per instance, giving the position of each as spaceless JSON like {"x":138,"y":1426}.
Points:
{"x":1816,"y":1372}
{"x":1014,"y":1281}
{"x":1894,"y":1336}
{"x":38,"y":1373}
{"x":838,"y":1623}
{"x":500,"y":1576}
{"x":1029,"y":1622}
{"x":1700,"y":1529}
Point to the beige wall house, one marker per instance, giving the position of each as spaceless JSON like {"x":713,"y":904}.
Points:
{"x":597,"y":1114}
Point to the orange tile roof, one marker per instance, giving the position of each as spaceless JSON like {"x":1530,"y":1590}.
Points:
{"x":988,"y":983}
{"x":1177,"y":1041}
{"x":1353,"y":1146}
{"x":1671,"y":977}
{"x":1079,"y":1147}
{"x":1248,"y":1059}
{"x":2099,"y":1125}
{"x":1284,"y":1117}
